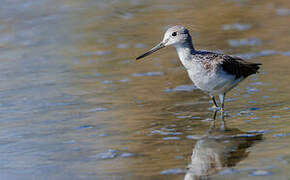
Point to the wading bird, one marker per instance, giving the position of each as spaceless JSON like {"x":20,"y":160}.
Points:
{"x":211,"y":72}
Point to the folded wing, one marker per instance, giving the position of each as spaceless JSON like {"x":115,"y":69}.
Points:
{"x":238,"y":67}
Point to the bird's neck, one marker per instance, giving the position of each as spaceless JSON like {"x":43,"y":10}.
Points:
{"x":185,"y":52}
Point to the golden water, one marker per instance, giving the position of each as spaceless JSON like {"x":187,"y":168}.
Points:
{"x":74,"y":101}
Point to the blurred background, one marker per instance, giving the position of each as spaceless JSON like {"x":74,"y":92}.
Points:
{"x":74,"y":103}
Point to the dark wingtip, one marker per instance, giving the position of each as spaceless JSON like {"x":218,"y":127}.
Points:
{"x":256,"y":66}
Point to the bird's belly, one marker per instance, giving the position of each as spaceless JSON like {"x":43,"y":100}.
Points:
{"x":213,"y":83}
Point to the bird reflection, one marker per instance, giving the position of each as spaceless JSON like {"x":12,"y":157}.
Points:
{"x":218,"y":149}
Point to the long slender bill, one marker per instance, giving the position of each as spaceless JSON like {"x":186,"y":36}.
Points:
{"x":154,"y":49}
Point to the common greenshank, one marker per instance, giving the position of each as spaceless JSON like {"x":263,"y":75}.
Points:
{"x":211,"y":72}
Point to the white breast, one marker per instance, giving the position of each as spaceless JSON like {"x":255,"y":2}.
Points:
{"x":213,"y":82}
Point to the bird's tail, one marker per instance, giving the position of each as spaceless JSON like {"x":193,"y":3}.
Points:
{"x":256,"y":66}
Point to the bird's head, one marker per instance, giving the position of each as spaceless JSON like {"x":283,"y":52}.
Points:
{"x":176,"y":35}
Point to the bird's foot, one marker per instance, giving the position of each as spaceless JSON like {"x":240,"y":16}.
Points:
{"x":214,"y":108}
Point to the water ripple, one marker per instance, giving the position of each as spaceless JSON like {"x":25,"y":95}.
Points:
{"x":165,"y":133}
{"x":287,"y":53}
{"x":261,"y":173}
{"x":99,"y":109}
{"x":174,"y":171}
{"x":237,"y":26}
{"x":171,"y":138}
{"x":148,"y":74}
{"x":257,"y":54}
{"x":282,"y":135}
{"x":126,"y":155}
{"x":245,"y":42}
{"x":106,"y":155}
{"x":123,"y":46}
{"x":228,"y":171}
{"x":98,"y":53}
{"x":283,"y":12}
{"x":181,"y":88}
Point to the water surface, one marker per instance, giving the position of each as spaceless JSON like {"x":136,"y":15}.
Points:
{"x":76,"y":105}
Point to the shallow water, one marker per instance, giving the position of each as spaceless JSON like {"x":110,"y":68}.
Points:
{"x":76,"y":105}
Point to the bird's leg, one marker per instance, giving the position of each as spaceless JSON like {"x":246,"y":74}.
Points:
{"x":223,"y":125}
{"x":222,"y":100}
{"x":212,"y":124}
{"x":214,"y":115}
{"x":214,"y":102}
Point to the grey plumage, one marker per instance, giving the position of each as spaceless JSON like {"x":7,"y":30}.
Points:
{"x":230,"y":64}
{"x":213,"y":73}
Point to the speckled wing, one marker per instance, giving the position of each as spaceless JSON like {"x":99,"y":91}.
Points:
{"x":237,"y":66}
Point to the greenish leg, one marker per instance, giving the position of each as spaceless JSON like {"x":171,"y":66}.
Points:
{"x":222,"y":100}
{"x":212,"y":124}
{"x":214,"y":102}
{"x":223,"y":124}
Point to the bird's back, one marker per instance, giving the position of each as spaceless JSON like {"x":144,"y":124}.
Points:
{"x":230,"y":64}
{"x":218,"y":73}
{"x":239,"y":67}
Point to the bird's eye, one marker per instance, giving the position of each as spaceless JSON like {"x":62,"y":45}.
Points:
{"x":174,"y":34}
